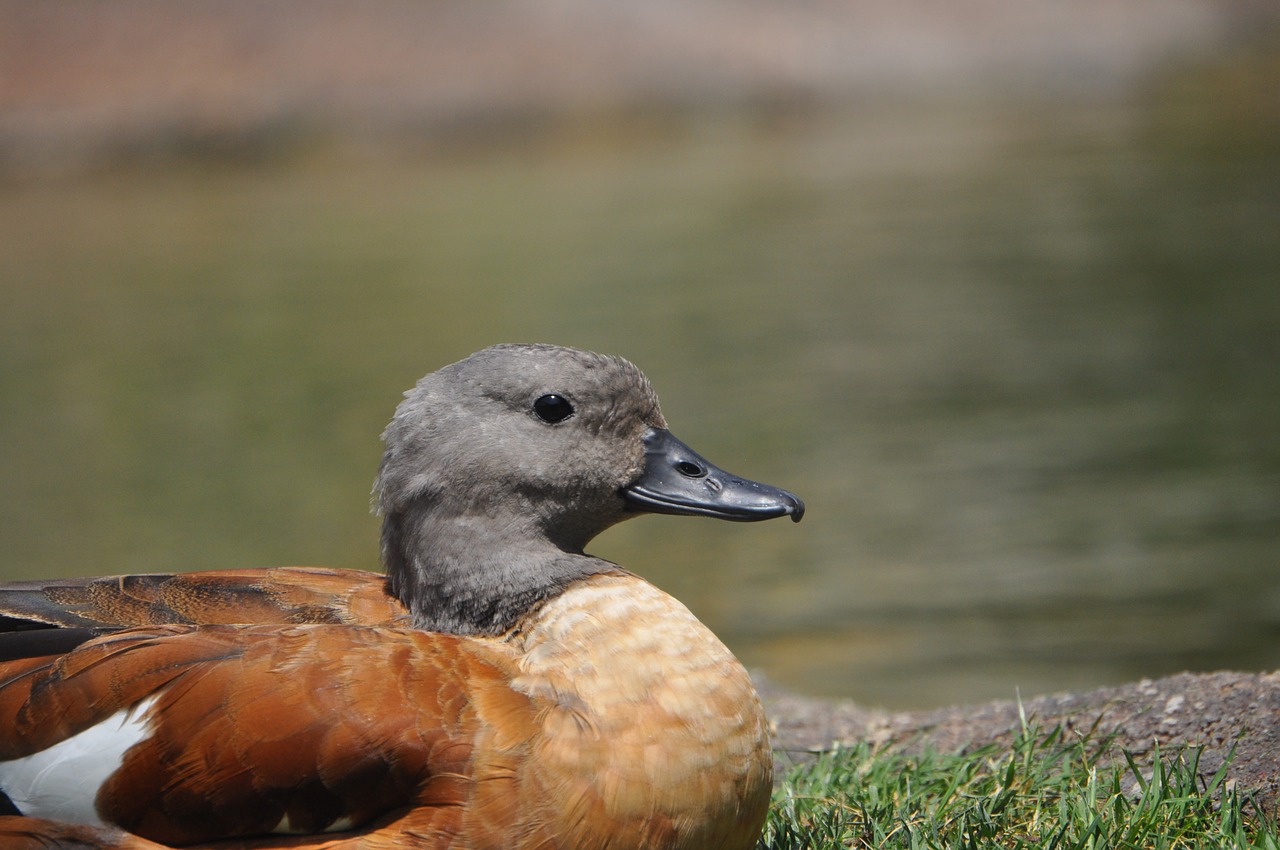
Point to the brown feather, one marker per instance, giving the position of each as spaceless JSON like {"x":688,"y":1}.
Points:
{"x":19,"y":833}
{"x":546,"y":738}
{"x":275,"y":595}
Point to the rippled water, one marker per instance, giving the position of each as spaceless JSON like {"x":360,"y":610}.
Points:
{"x":1022,"y":362}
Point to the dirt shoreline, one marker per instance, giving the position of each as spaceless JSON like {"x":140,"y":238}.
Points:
{"x":1213,"y":711}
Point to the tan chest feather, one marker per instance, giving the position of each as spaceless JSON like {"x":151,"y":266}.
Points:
{"x":652,"y":723}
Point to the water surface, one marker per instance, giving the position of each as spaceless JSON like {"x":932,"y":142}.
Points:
{"x":1022,"y":363}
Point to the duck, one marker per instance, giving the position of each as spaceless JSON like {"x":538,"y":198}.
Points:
{"x":496,"y":687}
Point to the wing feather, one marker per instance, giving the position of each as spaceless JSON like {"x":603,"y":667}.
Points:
{"x":258,"y":728}
{"x":275,"y":595}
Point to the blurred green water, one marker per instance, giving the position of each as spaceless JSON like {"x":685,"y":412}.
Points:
{"x":1022,"y":362}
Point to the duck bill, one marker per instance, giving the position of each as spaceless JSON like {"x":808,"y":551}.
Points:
{"x":678,"y":480}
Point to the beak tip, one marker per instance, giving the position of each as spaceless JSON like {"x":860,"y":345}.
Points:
{"x":797,"y":510}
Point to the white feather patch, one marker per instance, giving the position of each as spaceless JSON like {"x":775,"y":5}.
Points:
{"x":61,"y":782}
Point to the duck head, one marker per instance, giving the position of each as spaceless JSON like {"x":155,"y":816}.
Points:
{"x":500,"y":468}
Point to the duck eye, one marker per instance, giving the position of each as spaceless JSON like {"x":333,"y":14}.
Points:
{"x":553,"y":408}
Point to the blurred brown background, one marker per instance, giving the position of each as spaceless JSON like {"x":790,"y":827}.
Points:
{"x":992,"y":285}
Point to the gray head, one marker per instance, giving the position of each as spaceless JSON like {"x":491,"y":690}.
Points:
{"x":501,"y":467}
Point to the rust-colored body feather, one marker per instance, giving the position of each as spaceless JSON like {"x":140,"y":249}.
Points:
{"x":273,"y":595}
{"x":402,"y":738}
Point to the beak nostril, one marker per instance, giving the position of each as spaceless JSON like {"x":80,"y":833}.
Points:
{"x":690,"y":469}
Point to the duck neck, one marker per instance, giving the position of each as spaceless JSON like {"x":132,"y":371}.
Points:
{"x":472,"y":574}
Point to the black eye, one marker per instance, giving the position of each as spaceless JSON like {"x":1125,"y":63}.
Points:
{"x":553,"y":408}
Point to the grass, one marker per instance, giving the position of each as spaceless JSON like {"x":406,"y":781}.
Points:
{"x":1053,"y":790}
